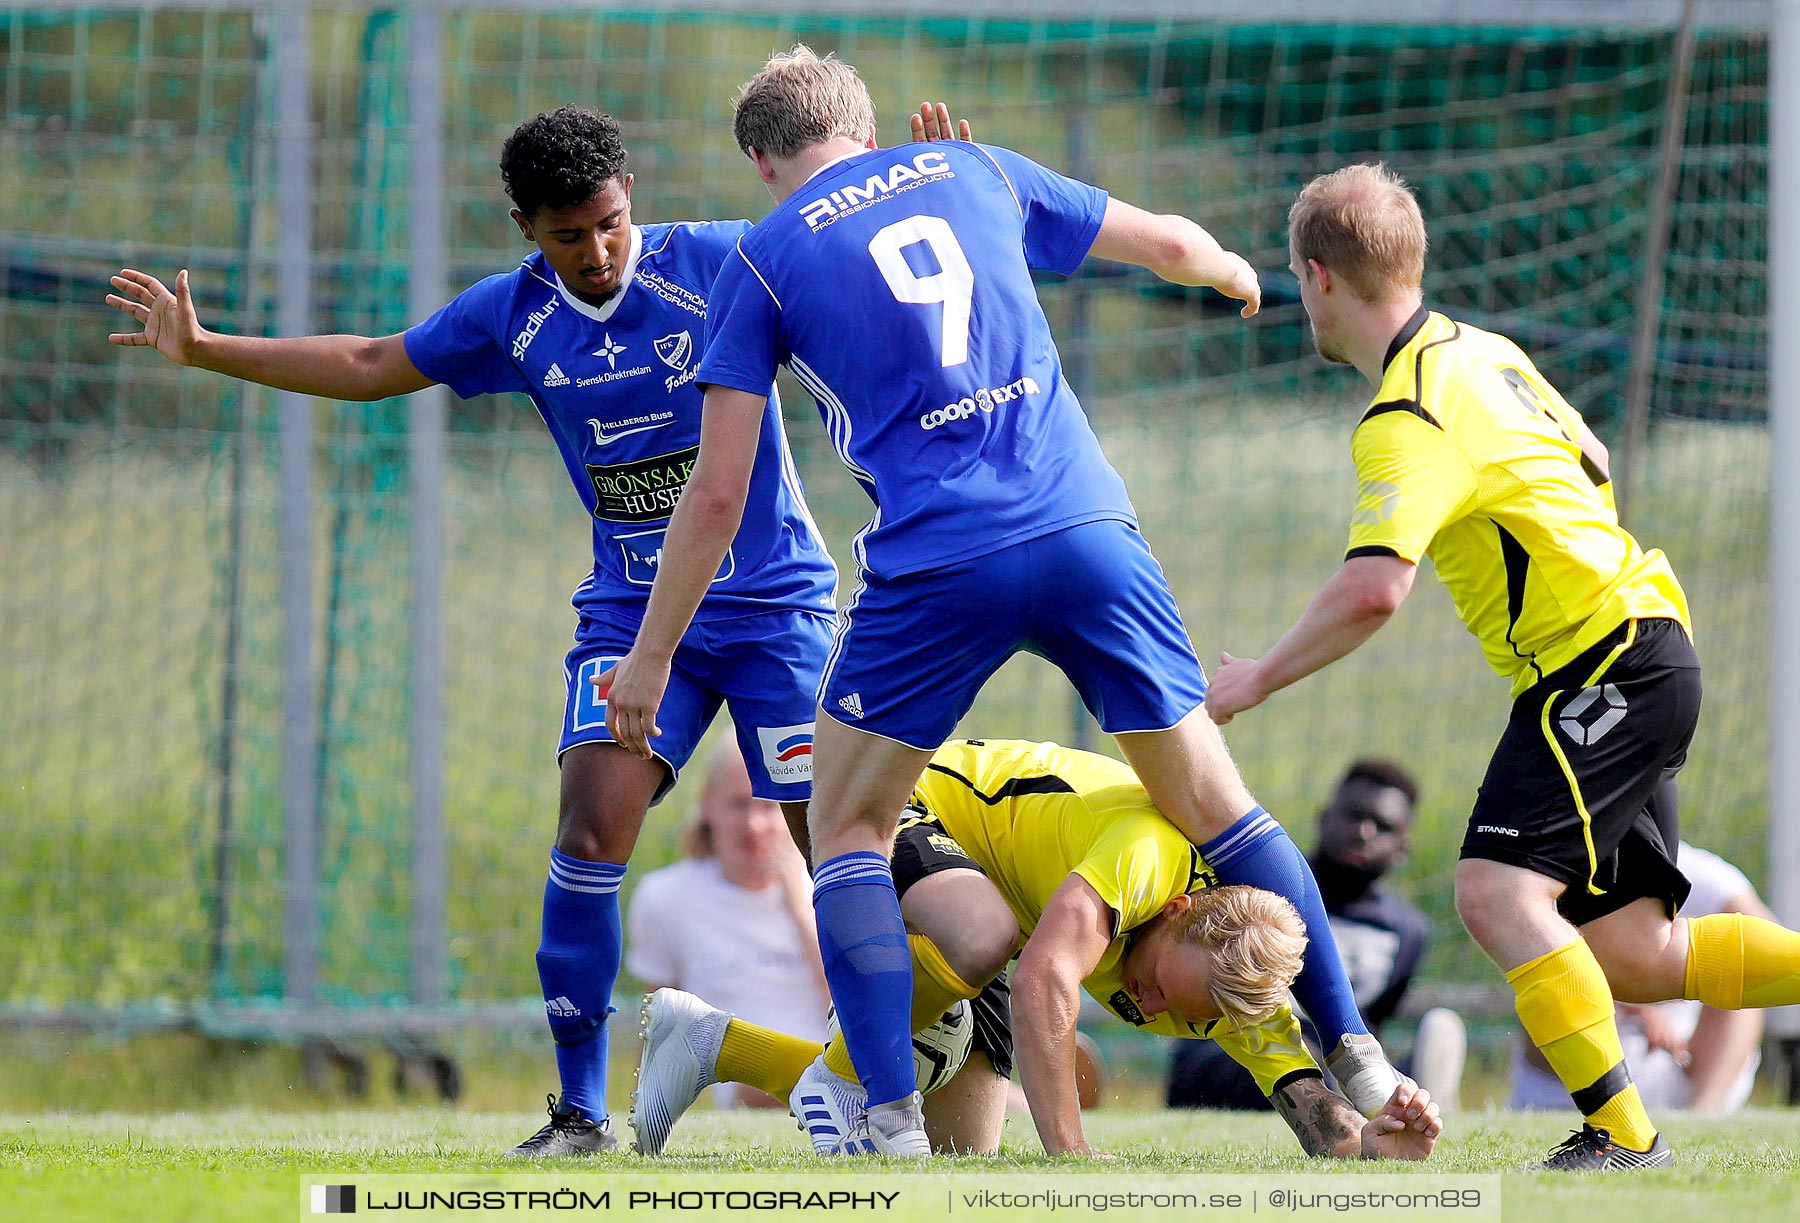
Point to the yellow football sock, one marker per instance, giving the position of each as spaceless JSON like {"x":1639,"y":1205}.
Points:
{"x":1736,"y":961}
{"x":936,"y":988}
{"x":1567,"y":1009}
{"x":763,"y":1058}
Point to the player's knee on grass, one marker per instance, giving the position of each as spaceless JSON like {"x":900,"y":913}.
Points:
{"x":963,"y":913}
{"x":967,"y":1115}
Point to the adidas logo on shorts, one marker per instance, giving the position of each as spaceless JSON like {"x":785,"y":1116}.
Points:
{"x":556,"y":377}
{"x":852,"y":705}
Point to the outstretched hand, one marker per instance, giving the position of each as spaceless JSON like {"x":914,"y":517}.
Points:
{"x":932,"y":122}
{"x":1241,"y":283}
{"x":1407,"y":1127}
{"x":170,"y":325}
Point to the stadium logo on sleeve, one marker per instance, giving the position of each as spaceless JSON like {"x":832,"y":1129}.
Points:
{"x":787,"y":751}
{"x":528,"y":333}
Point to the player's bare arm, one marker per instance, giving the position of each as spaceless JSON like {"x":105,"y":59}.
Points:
{"x":351,"y":367}
{"x":1064,"y":948}
{"x":1329,"y":1127}
{"x":1357,"y":600}
{"x":700,"y":531}
{"x":1177,"y":250}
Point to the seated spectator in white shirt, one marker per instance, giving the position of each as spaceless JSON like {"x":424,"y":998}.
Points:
{"x":733,"y":921}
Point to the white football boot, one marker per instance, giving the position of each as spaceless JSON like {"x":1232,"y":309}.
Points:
{"x":682,"y":1035}
{"x":832,"y":1110}
{"x":898,"y":1128}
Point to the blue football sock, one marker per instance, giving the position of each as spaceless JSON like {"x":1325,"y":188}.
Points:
{"x":578,"y":961}
{"x":868,"y":964}
{"x":1258,"y":851}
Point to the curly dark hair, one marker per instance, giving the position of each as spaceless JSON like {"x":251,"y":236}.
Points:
{"x":1383,"y":773}
{"x":561,"y":159}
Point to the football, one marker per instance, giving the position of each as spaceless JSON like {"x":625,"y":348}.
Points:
{"x":940,"y":1050}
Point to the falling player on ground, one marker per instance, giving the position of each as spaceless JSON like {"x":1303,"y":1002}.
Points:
{"x":1059,"y":855}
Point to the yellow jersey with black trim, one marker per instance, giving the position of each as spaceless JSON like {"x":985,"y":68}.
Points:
{"x":1032,"y":814}
{"x":1468,"y":456}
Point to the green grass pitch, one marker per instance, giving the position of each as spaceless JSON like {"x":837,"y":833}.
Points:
{"x":227,"y":1166}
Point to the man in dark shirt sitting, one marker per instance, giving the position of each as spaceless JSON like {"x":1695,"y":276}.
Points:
{"x":1381,"y":937}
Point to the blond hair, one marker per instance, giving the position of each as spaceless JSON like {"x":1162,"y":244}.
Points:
{"x":799,"y":100}
{"x":1256,"y":942}
{"x":1363,"y":223}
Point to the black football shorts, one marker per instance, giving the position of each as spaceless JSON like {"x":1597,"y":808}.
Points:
{"x":922,"y":848}
{"x":1582,"y":785}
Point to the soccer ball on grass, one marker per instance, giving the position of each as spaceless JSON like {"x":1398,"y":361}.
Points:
{"x":940,"y":1050}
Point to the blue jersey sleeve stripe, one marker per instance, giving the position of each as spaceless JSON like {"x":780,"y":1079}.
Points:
{"x":759,"y":275}
{"x":1002,"y":173}
{"x":837,"y":419}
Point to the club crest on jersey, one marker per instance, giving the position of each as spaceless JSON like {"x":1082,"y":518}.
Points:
{"x":928,"y":166}
{"x":675,"y":350}
{"x":787,"y":751}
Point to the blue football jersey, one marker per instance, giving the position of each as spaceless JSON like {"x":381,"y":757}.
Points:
{"x":896,"y":284}
{"x":617,"y":387}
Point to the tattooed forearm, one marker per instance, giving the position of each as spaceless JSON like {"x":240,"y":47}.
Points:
{"x":1322,"y":1120}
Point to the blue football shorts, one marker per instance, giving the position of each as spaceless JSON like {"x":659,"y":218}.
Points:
{"x":764,"y":667}
{"x":912,"y":652}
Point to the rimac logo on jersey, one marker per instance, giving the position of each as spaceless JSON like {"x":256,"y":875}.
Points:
{"x":787,"y":751}
{"x":641,"y":491}
{"x":928,"y":166}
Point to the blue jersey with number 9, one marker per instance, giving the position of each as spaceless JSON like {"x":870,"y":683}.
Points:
{"x":896,"y":284}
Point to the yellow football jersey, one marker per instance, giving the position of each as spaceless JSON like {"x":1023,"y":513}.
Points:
{"x":1469,"y":456}
{"x":1032,"y":814}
